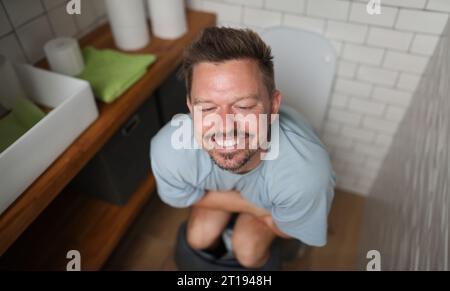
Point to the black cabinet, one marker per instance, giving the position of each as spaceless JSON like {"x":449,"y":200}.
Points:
{"x":171,"y":97}
{"x":123,"y":163}
{"x":118,"y":169}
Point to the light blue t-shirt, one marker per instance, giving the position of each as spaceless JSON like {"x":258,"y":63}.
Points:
{"x":296,"y":188}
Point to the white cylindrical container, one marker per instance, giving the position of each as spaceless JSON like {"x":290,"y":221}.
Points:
{"x":64,"y":56}
{"x":11,"y":89}
{"x":128,"y":23}
{"x":168,"y":18}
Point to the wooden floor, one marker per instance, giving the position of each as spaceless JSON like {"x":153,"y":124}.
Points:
{"x":150,"y":242}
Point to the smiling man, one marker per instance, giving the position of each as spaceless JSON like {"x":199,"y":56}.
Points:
{"x":249,"y":157}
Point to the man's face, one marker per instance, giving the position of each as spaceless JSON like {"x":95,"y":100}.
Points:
{"x":231,"y":111}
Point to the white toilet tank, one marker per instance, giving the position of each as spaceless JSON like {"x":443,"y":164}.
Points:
{"x":305,"y":65}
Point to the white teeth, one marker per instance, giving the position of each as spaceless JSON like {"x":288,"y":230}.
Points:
{"x":230,"y":143}
{"x":226,"y":143}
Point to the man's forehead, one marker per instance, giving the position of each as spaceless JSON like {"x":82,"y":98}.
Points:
{"x":243,"y":61}
{"x":229,"y":68}
{"x":200,"y":99}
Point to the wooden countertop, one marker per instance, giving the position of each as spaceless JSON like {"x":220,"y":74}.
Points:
{"x":15,"y":220}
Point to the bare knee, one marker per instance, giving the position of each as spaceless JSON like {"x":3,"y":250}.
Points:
{"x":198,"y":238}
{"x":203,"y":233}
{"x":248,"y":251}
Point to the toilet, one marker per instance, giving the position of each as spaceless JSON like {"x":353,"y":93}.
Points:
{"x":305,"y":66}
{"x":189,"y":259}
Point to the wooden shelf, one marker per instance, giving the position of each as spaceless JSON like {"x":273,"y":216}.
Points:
{"x":15,"y":220}
{"x":74,"y":221}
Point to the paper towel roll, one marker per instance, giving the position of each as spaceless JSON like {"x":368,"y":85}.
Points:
{"x":64,"y":56}
{"x":168,"y":18}
{"x":147,"y":10}
{"x":128,"y":23}
{"x":11,"y":88}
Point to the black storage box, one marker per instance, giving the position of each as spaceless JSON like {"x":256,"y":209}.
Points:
{"x":123,"y":163}
{"x":171,"y":97}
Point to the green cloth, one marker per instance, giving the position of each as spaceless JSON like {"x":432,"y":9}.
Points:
{"x":111,"y":73}
{"x":23,"y":116}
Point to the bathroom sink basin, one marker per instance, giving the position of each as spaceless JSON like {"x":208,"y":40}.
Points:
{"x":73,"y":109}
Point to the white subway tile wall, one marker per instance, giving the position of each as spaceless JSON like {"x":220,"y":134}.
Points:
{"x":225,"y":12}
{"x":330,"y":9}
{"x":348,"y":32}
{"x":363,"y":54}
{"x":424,"y":44}
{"x":261,"y":18}
{"x":389,"y":38}
{"x":33,"y":35}
{"x":25,"y":25}
{"x":5,"y":26}
{"x":50,"y":4}
{"x":292,"y":6}
{"x":10,"y":48}
{"x":63,"y":24}
{"x":380,"y":59}
{"x":309,"y":23}
{"x":439,"y":5}
{"x":21,"y":11}
{"x":430,"y":22}
{"x":386,"y":18}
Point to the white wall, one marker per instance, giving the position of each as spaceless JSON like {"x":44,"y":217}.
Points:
{"x":25,"y":25}
{"x":407,"y":217}
{"x":381,"y":60}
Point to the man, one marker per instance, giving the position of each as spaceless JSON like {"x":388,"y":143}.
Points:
{"x":229,"y":73}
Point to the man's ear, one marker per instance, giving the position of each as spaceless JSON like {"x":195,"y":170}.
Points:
{"x":276,"y":102}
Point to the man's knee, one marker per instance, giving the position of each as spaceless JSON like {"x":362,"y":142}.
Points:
{"x":248,"y":251}
{"x":202,"y":233}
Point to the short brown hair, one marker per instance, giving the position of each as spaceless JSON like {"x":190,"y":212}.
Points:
{"x":219,"y":44}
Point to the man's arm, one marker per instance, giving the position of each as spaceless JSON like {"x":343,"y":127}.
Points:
{"x":232,"y":201}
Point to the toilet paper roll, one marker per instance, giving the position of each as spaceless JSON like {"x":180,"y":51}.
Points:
{"x":168,"y":18}
{"x":128,"y":23}
{"x":64,"y":56}
{"x":11,"y":89}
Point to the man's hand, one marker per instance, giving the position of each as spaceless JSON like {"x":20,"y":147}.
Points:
{"x":267,"y":219}
{"x":232,"y":201}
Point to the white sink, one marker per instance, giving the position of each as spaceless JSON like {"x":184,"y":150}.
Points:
{"x":74,"y":109}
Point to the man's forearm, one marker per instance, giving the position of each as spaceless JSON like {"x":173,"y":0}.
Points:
{"x":231,"y":201}
{"x":271,"y":224}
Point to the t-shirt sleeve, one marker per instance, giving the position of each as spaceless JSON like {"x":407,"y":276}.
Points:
{"x":174,"y":172}
{"x":304,"y":215}
{"x":302,"y":190}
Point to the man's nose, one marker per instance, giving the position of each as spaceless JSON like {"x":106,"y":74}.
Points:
{"x":228,"y":121}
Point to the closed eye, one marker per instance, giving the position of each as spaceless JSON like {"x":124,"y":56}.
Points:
{"x":245,"y":107}
{"x":208,"y":109}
